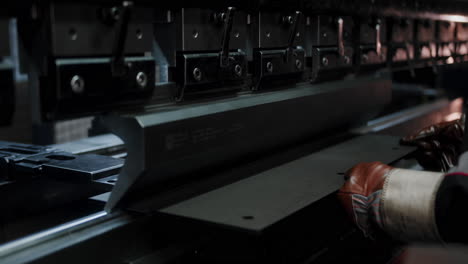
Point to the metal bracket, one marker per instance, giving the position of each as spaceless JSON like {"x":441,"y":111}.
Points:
{"x":271,"y":64}
{"x":370,"y":56}
{"x":201,"y":74}
{"x":326,"y":61}
{"x":208,"y":73}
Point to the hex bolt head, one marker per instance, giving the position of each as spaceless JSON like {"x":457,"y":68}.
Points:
{"x":269,"y":67}
{"x":142,"y":79}
{"x":77,"y":84}
{"x":325,"y":61}
{"x":197,"y":74}
{"x":299,"y":64}
{"x":238,"y":70}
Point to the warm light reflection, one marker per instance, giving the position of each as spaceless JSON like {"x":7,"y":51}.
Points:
{"x":456,"y":105}
{"x":456,"y":108}
{"x":462,"y":50}
{"x":425,"y":53}
{"x":452,"y":116}
{"x":455,"y":18}
{"x":450,"y":60}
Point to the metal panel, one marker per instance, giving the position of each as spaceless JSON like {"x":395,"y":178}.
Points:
{"x":77,"y":30}
{"x":274,"y":30}
{"x":325,"y":30}
{"x":201,"y":73}
{"x":425,"y":31}
{"x":85,"y":86}
{"x":462,"y":31}
{"x":402,"y":31}
{"x":446,"y":31}
{"x":201,"y":33}
{"x":368,"y":34}
{"x":255,"y":203}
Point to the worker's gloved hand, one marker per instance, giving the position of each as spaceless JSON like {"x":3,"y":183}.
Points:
{"x":361,"y":195}
{"x":399,"y":202}
{"x":439,"y":146}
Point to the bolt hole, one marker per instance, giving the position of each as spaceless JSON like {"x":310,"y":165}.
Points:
{"x":139,"y":34}
{"x":248,"y":217}
{"x":112,"y":181}
{"x":73,"y":34}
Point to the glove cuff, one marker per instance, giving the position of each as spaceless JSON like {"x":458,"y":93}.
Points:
{"x":408,"y":205}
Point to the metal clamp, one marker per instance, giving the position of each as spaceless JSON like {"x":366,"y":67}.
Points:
{"x":378,"y":43}
{"x":410,"y":60}
{"x":228,"y":21}
{"x":293,"y":33}
{"x":118,"y":66}
{"x":340,"y":30}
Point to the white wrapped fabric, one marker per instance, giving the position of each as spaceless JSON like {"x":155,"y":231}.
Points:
{"x":408,"y":205}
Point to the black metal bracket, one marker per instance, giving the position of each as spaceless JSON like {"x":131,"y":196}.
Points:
{"x":210,"y":72}
{"x":326,"y":60}
{"x":201,"y":75}
{"x":270,"y":66}
{"x":286,"y":64}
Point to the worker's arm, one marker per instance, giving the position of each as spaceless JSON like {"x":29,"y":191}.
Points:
{"x":408,"y":205}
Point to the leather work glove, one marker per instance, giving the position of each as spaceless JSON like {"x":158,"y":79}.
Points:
{"x":439,"y":146}
{"x":397,"y":201}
